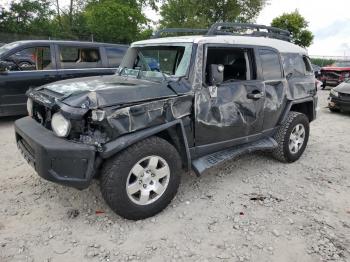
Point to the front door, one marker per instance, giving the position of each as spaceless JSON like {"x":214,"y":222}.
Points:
{"x":32,"y":67}
{"x":232,"y":112}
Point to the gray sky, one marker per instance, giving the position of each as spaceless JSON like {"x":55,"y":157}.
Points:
{"x":328,"y":20}
{"x":330,"y":23}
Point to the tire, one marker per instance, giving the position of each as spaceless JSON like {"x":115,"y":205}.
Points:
{"x":118,"y":174}
{"x":334,"y":110}
{"x":283,"y":137}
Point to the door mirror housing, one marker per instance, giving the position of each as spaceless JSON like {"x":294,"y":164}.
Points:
{"x":4,"y":67}
{"x":216,"y":74}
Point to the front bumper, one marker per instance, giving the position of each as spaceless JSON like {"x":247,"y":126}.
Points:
{"x":53,"y":158}
{"x":338,"y":103}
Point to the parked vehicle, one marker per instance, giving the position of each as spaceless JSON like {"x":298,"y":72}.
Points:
{"x":339,"y":97}
{"x":214,"y":97}
{"x":29,"y":64}
{"x":335,"y":74}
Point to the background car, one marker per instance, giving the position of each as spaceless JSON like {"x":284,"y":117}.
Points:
{"x":28,"y":64}
{"x":339,"y":97}
{"x":335,"y":74}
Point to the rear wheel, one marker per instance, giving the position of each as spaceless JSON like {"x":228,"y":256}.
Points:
{"x":142,"y":180}
{"x":292,"y":137}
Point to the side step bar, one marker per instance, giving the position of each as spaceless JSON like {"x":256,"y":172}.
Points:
{"x":200,"y":165}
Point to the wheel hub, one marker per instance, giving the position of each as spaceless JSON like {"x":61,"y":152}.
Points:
{"x":297,"y":138}
{"x":148,"y":180}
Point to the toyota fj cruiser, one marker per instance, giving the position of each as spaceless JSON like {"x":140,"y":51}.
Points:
{"x":205,"y":100}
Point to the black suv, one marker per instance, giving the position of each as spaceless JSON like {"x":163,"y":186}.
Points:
{"x":209,"y":99}
{"x":34,"y":63}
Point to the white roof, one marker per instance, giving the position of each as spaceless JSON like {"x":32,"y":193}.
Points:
{"x":280,"y":45}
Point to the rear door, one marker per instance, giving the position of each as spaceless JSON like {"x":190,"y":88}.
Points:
{"x":33,"y":66}
{"x":75,"y":60}
{"x":275,"y":87}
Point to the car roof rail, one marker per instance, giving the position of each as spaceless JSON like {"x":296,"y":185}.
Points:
{"x":226,"y":28}
{"x":257,"y":30}
{"x":158,"y":34}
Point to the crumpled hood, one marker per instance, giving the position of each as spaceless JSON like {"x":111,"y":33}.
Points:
{"x":343,"y":88}
{"x":102,"y":91}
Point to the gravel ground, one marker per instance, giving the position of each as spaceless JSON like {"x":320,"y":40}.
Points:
{"x":250,"y":209}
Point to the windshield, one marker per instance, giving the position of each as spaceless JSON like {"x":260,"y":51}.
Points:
{"x":158,"y":62}
{"x":342,"y":64}
{"x":7,"y":47}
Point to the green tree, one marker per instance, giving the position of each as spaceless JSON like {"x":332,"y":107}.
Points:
{"x":26,"y":16}
{"x":296,"y":24}
{"x":115,"y":20}
{"x":203,"y":13}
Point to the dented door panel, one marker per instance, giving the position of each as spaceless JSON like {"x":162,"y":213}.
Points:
{"x":275,"y":102}
{"x":230,"y":115}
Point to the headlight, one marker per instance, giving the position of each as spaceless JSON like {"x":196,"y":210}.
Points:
{"x":334,"y":93}
{"x":30,"y":107}
{"x":60,"y":125}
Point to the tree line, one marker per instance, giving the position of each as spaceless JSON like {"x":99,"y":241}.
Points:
{"x":119,"y":21}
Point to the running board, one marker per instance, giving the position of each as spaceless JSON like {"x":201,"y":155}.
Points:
{"x":201,"y":164}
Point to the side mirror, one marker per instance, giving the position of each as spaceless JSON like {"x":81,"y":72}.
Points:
{"x":216,"y":74}
{"x":3,"y":67}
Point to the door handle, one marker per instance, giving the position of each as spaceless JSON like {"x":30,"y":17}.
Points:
{"x":255,"y":95}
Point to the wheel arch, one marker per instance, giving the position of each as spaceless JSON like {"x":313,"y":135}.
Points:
{"x":305,"y":106}
{"x":173,"y":132}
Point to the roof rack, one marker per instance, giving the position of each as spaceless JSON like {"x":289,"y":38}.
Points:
{"x":257,"y":30}
{"x":225,"y":28}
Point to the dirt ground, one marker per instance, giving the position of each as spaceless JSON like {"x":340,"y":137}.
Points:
{"x":250,"y":209}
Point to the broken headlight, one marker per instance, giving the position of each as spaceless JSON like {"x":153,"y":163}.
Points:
{"x":60,"y":125}
{"x":98,"y":115}
{"x":30,"y":107}
{"x":334,"y":93}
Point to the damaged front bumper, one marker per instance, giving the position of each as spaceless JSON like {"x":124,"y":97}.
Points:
{"x":55,"y":159}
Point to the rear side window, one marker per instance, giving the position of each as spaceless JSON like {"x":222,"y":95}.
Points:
{"x":271,"y":65}
{"x":307,"y":64}
{"x":72,"y":57}
{"x":115,"y":56}
{"x":293,"y":64}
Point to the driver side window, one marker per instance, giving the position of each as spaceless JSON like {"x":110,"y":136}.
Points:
{"x":238,"y":63}
{"x":31,"y":59}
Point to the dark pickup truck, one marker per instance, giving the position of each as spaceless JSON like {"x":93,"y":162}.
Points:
{"x":29,"y":64}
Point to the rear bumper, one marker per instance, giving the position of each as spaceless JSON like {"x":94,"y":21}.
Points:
{"x":53,"y":158}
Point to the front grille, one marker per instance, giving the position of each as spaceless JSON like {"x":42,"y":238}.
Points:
{"x":42,"y":115}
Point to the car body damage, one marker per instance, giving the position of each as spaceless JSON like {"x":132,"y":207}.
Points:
{"x":136,"y":117}
{"x":202,"y":95}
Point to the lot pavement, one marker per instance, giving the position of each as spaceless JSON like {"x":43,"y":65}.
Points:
{"x":251,"y":209}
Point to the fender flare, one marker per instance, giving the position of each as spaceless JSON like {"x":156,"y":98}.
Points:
{"x":115,"y":146}
{"x":295,"y":102}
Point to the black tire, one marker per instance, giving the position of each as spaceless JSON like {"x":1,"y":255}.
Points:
{"x":334,"y":110}
{"x":282,"y":136}
{"x":115,"y":174}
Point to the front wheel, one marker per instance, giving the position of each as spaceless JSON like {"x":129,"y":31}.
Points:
{"x":142,"y":180}
{"x":292,"y":137}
